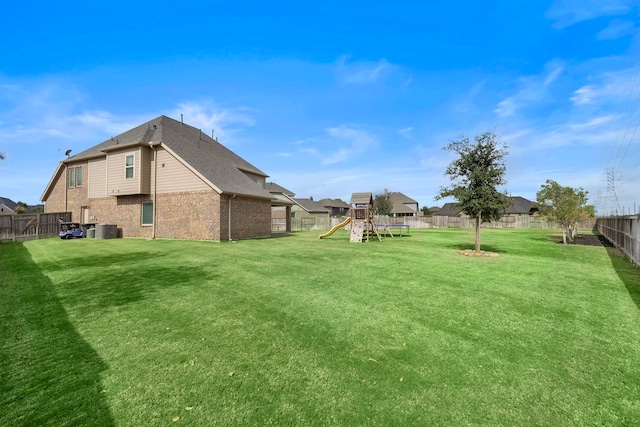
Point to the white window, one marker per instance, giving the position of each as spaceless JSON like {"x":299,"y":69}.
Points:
{"x":128,"y":166}
{"x":147,"y":213}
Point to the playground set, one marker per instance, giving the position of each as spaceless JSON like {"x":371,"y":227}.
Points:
{"x":362,"y":220}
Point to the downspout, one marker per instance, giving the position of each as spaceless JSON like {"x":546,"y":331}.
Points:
{"x":230,"y":198}
{"x":66,"y":186}
{"x":155,"y":185}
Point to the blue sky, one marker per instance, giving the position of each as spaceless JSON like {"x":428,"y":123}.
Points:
{"x":335,"y":97}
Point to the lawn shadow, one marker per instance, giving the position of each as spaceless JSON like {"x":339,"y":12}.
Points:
{"x":49,"y":374}
{"x":627,"y":272}
{"x":119,"y":279}
{"x":471,"y":246}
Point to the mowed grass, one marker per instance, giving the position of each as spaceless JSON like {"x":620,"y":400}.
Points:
{"x":300,"y":331}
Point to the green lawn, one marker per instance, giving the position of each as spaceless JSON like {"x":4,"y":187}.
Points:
{"x":299,"y":331}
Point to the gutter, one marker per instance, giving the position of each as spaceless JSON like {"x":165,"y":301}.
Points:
{"x":155,"y":186}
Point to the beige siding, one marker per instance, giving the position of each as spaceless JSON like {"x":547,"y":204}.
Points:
{"x":97,"y":178}
{"x":256,"y":178}
{"x":117,"y":184}
{"x":146,"y":158}
{"x":174,"y":177}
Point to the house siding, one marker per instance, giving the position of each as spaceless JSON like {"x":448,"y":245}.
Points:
{"x":97,"y":178}
{"x":174,"y":177}
{"x":117,"y":183}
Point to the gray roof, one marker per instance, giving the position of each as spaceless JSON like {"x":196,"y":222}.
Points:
{"x":361,"y":199}
{"x":399,"y":202}
{"x":8,"y":203}
{"x":219,"y":165}
{"x":449,"y":209}
{"x":311,"y":206}
{"x":519,"y":205}
{"x":272,"y":187}
{"x":334,"y":203}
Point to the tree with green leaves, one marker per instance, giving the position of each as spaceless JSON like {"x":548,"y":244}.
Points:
{"x":426,"y":211}
{"x":21,"y":208}
{"x":475,"y":175}
{"x":382,"y":204}
{"x":565,"y":205}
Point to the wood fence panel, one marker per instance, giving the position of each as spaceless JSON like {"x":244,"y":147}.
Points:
{"x":6,"y":227}
{"x":31,"y":226}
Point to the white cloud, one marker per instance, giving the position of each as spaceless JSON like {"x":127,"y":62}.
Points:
{"x":617,"y":29}
{"x":406,"y":132}
{"x":568,"y":12}
{"x":363,"y":72}
{"x":340,"y":144}
{"x":531,"y":91}
{"x":206,"y":115}
{"x":610,"y":86}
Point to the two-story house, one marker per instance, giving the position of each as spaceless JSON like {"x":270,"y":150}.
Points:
{"x":163,"y":179}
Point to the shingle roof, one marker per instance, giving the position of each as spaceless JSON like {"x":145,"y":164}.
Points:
{"x":272,"y":187}
{"x":449,"y":209}
{"x":361,"y":199}
{"x":311,"y":206}
{"x":399,"y":202}
{"x":8,"y":203}
{"x":334,"y":203}
{"x":520,"y":205}
{"x":219,"y":165}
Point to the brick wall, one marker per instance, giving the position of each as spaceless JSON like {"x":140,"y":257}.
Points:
{"x":188,"y":215}
{"x":250,"y":218}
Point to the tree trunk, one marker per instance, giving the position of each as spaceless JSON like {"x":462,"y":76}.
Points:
{"x":478,"y":220}
{"x":564,"y":235}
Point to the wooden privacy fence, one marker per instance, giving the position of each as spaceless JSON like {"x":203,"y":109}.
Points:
{"x":438,"y":221}
{"x":31,"y":226}
{"x":624,"y":233}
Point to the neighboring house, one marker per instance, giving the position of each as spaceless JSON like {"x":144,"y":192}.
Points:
{"x":307,"y":208}
{"x":7,"y":206}
{"x":337,"y":207}
{"x":450,"y":209}
{"x":163,"y":179}
{"x":519,"y":206}
{"x":401,"y":205}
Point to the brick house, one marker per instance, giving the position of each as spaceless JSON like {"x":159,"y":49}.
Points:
{"x":402,"y":205}
{"x":338,"y":207}
{"x":163,"y":179}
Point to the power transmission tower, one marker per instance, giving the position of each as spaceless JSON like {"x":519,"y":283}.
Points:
{"x":611,"y":198}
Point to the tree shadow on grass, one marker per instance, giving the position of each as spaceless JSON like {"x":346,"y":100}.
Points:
{"x":471,"y":246}
{"x":48,"y":374}
{"x":119,"y":279}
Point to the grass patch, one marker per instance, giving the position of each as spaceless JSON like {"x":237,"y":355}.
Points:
{"x":301,"y":331}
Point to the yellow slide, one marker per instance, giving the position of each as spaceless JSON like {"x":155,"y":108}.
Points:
{"x":333,"y":230}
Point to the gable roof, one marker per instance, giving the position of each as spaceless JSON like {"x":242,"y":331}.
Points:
{"x":272,"y":187}
{"x":8,"y":203}
{"x":334,"y":203}
{"x":519,"y":205}
{"x":450,"y":209}
{"x":361,"y":199}
{"x":311,"y":206}
{"x":400,"y":201}
{"x":218,"y":165}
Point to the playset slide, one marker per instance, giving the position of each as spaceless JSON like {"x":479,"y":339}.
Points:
{"x":333,"y":230}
